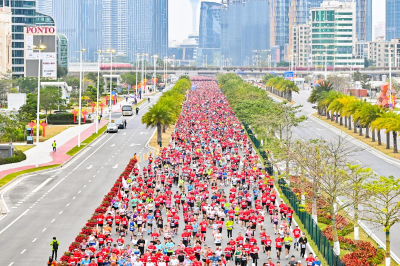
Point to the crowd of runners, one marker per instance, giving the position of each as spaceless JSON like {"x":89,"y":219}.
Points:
{"x":204,"y":200}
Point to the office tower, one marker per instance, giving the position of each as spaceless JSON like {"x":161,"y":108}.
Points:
{"x":148,"y":28}
{"x":24,"y":14}
{"x":62,"y":50}
{"x":301,"y":45}
{"x":364,"y":20}
{"x":115,"y":25}
{"x":81,"y":22}
{"x":194,"y":4}
{"x":44,"y":6}
{"x":299,"y":14}
{"x":209,"y":33}
{"x":379,"y":30}
{"x":244,"y":30}
{"x":392,"y":19}
{"x":279,"y":22}
{"x":333,"y":35}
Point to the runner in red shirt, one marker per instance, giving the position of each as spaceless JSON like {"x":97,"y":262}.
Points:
{"x":278,"y":246}
{"x":296,"y":234}
{"x":310,"y":259}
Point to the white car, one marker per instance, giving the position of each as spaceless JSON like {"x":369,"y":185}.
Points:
{"x":314,"y":106}
{"x":112,"y":127}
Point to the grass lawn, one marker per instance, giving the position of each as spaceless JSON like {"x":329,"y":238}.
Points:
{"x":10,"y":177}
{"x":87,"y":141}
{"x":51,"y":131}
{"x":165,"y":138}
{"x":24,"y":148}
{"x":381,"y":148}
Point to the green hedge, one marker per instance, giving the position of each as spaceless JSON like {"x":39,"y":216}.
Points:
{"x":18,"y":157}
{"x":60,"y":119}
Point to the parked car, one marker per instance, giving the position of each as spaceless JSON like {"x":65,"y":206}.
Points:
{"x":112,"y":127}
{"x":314,"y":106}
{"x":121,"y":123}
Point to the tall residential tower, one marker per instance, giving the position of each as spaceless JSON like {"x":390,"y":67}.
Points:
{"x":392,"y":19}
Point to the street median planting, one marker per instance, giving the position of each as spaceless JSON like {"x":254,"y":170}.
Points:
{"x":87,"y":141}
{"x":6,"y":179}
{"x":91,"y":224}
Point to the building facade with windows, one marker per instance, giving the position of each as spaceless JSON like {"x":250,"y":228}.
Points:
{"x":24,"y":14}
{"x":115,"y":26}
{"x":62,"y":50}
{"x":380,"y":50}
{"x":148,"y":28}
{"x":5,"y":40}
{"x":81,"y":22}
{"x":392,"y":19}
{"x":209,"y":33}
{"x":301,"y":45}
{"x":333,"y":35}
{"x":244,"y":29}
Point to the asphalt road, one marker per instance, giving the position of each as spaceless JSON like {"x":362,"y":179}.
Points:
{"x":366,"y":156}
{"x":59,"y":202}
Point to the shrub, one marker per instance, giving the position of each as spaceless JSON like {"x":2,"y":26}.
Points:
{"x":18,"y":157}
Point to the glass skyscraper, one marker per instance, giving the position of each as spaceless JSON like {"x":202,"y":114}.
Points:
{"x":115,"y":26}
{"x":279,"y":14}
{"x":81,"y":22}
{"x":148,"y":28}
{"x":244,"y":29}
{"x":23,"y":15}
{"x":364,"y":20}
{"x":392,"y":19}
{"x":209,"y":33}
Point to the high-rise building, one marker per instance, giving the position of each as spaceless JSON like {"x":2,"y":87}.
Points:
{"x":115,"y":25}
{"x":333,"y":37}
{"x":244,"y":29}
{"x":279,"y":22}
{"x":194,"y":4}
{"x":24,"y":14}
{"x":5,"y":40}
{"x":209,"y":33}
{"x":392,"y":19}
{"x":81,"y":22}
{"x":44,"y":6}
{"x":148,"y":28}
{"x":62,"y":50}
{"x":364,"y":20}
{"x":299,"y":14}
{"x":379,"y":52}
{"x":301,"y":45}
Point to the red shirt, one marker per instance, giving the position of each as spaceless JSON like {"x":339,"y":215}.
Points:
{"x":228,"y":251}
{"x":309,"y":261}
{"x":239,"y":240}
{"x":278,"y":242}
{"x":72,"y":261}
{"x":296,"y":232}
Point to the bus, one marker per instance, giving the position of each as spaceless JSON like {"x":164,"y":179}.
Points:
{"x":127,"y":110}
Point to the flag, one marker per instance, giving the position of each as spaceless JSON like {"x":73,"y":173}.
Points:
{"x":119,"y":194}
{"x":124,"y":183}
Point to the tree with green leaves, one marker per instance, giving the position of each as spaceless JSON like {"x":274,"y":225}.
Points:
{"x":357,"y":176}
{"x":383,"y":206}
{"x":50,"y":98}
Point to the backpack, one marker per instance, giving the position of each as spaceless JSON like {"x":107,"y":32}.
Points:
{"x":55,"y":245}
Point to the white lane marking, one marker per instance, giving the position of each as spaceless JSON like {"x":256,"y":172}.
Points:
{"x":61,"y":212}
{"x":42,"y":185}
{"x":115,"y":167}
{"x":11,"y":264}
{"x":73,"y":198}
{"x":112,"y":145}
{"x":141,"y":133}
{"x":90,"y":180}
{"x":94,"y":152}
{"x":79,"y":191}
{"x":44,"y":230}
{"x":134,"y":144}
{"x":84,"y":186}
{"x":67,"y":205}
{"x":53,"y":220}
{"x":56,"y":185}
{"x":34,"y":240}
{"x":23,"y":251}
{"x":90,"y":167}
{"x":94,"y":176}
{"x":16,"y":219}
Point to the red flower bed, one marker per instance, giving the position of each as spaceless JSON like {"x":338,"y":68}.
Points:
{"x":106,"y":202}
{"x":362,"y":252}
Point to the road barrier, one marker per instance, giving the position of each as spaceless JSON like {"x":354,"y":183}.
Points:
{"x":312,"y":228}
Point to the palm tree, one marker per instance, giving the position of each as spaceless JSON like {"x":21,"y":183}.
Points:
{"x":336,"y":107}
{"x":368,"y":114}
{"x":159,"y":115}
{"x":345,"y":100}
{"x":328,"y":98}
{"x":391,"y":123}
{"x":318,"y":93}
{"x":350,"y":110}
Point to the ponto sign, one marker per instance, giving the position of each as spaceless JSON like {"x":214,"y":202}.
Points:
{"x":40,"y":30}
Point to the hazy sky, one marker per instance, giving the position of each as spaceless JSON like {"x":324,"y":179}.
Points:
{"x":180,"y":17}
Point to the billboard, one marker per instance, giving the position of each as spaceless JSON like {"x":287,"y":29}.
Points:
{"x":35,"y":36}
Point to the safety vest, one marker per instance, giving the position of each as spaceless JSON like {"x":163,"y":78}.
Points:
{"x":54,"y":144}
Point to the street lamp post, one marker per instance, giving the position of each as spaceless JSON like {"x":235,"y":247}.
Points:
{"x":80,"y":96}
{"x":41,"y":47}
{"x":390,"y":76}
{"x":111,"y":52}
{"x":137,"y":64}
{"x":154,"y":75}
{"x":326,"y":61}
{"x":98,"y":88}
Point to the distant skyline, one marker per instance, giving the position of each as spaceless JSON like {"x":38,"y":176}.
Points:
{"x":180,"y":17}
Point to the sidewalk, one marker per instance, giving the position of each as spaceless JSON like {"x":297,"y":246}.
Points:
{"x":66,"y":140}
